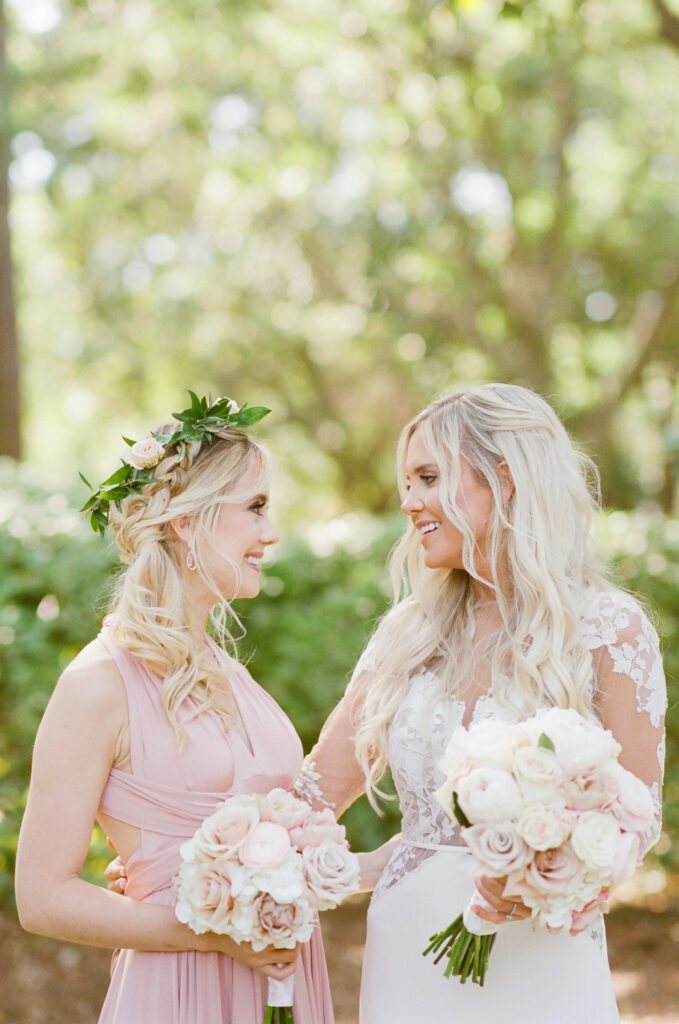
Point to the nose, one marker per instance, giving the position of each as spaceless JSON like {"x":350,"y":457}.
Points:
{"x":411,"y":503}
{"x":269,"y":535}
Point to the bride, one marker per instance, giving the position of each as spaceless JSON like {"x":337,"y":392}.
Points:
{"x":500,"y":608}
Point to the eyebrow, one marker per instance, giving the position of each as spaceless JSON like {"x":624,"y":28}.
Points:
{"x":422,"y":468}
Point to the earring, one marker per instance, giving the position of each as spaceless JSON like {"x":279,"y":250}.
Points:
{"x":191,"y":563}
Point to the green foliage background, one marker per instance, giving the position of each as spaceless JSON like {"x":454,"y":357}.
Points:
{"x":322,"y":595}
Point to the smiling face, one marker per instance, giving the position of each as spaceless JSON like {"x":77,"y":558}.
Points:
{"x":442,"y":541}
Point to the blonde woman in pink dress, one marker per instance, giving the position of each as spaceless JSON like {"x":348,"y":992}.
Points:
{"x":153,"y":724}
{"x":500,"y":608}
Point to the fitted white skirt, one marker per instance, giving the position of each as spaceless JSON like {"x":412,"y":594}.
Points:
{"x":534,"y":976}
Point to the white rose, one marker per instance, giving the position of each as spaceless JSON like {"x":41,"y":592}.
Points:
{"x":596,"y":838}
{"x":537,"y":772}
{"x":497,"y":849}
{"x":489,"y":794}
{"x":542,"y":828}
{"x":146,"y":452}
{"x":332,"y":872}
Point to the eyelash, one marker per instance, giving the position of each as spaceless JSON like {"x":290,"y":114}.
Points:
{"x":258,"y":508}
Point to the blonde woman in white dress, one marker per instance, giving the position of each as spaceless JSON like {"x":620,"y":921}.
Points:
{"x":500,"y":608}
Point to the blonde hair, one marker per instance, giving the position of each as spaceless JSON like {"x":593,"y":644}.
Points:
{"x":541,"y":568}
{"x":150,"y":609}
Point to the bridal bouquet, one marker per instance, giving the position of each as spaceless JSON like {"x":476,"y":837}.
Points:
{"x":258,"y":869}
{"x":545,"y":804}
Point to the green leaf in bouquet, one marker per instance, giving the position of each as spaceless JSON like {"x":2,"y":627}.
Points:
{"x":545,"y":742}
{"x":460,"y":816}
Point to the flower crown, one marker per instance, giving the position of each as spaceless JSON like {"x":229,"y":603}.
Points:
{"x":200,"y":422}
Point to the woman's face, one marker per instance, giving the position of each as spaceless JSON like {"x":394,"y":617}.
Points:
{"x":441,"y":540}
{"x":233,"y":552}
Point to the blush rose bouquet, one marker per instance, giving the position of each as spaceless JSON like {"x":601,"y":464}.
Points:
{"x":258,"y":869}
{"x":546,"y":805}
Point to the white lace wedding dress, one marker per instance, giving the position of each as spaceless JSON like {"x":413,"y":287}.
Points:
{"x":534,"y":977}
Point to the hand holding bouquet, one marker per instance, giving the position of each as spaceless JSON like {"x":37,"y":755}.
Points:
{"x":258,"y":869}
{"x":545,"y":804}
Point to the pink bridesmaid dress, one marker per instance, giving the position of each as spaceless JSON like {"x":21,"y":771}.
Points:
{"x":166,"y":795}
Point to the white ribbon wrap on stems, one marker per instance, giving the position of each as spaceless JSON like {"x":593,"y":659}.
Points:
{"x":475,"y":924}
{"x":280,"y":992}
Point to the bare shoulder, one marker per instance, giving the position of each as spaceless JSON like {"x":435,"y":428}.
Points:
{"x":92,"y":681}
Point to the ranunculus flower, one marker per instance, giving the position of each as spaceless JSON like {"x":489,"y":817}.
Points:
{"x":284,"y":809}
{"x":497,"y":848}
{"x":542,"y":828}
{"x":319,"y":827}
{"x":632,"y":803}
{"x":489,"y":794}
{"x":265,"y":846}
{"x":331,"y":872}
{"x":146,"y":452}
{"x":204,"y":899}
{"x":224,"y":829}
{"x":595,"y":839}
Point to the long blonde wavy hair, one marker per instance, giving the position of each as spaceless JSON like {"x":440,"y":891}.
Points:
{"x":151,"y":613}
{"x":537,"y":545}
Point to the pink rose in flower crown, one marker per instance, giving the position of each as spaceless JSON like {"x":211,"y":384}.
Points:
{"x":224,"y":830}
{"x":204,"y":899}
{"x":266,"y":846}
{"x":319,"y":827}
{"x":331,"y":873}
{"x":146,"y":452}
{"x":284,"y":809}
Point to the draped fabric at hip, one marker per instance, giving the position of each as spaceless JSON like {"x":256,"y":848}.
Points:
{"x":166,"y":796}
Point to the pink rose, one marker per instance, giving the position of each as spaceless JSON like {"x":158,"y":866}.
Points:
{"x":204,"y":899}
{"x":146,"y":452}
{"x":551,"y":872}
{"x":266,"y":846}
{"x":627,"y":857}
{"x":280,"y":924}
{"x":331,"y":872}
{"x":284,"y":809}
{"x":222,"y":832}
{"x":319,"y":827}
{"x":632,"y":803}
{"x":497,"y":849}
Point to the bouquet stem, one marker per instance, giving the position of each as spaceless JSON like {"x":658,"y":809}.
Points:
{"x":279,"y":1015}
{"x":467,"y":954}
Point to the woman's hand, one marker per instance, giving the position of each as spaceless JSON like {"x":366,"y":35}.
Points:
{"x":499,"y":908}
{"x":116,"y":875}
{"x":274,"y":963}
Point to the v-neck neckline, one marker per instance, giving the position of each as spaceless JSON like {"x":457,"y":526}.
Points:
{"x":244,"y":735}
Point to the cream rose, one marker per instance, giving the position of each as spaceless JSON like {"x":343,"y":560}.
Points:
{"x":489,"y":794}
{"x":596,"y":838}
{"x":537,"y":772}
{"x":146,"y":452}
{"x":224,"y":830}
{"x":541,"y":828}
{"x":204,"y":899}
{"x":331,"y":872}
{"x":497,"y":848}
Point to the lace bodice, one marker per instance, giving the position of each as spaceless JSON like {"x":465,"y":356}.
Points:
{"x":629,"y":695}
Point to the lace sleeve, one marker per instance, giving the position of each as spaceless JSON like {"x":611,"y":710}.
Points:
{"x":330,"y":775}
{"x":630,"y":689}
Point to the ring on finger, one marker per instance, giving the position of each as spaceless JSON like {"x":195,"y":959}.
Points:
{"x":510,"y":915}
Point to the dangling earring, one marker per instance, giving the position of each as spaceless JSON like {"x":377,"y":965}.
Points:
{"x":191,"y":563}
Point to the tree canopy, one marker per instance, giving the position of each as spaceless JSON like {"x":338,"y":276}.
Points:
{"x":341,"y":211}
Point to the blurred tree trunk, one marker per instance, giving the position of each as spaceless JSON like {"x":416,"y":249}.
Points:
{"x":10,"y":435}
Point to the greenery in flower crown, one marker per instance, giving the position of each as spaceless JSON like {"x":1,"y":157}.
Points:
{"x":200,"y":422}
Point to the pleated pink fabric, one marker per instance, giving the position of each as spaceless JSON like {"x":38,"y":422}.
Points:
{"x":166,"y":796}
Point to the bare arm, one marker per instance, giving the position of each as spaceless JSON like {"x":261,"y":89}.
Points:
{"x":78,"y":742}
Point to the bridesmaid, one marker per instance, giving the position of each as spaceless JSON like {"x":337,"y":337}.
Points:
{"x":153,"y":724}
